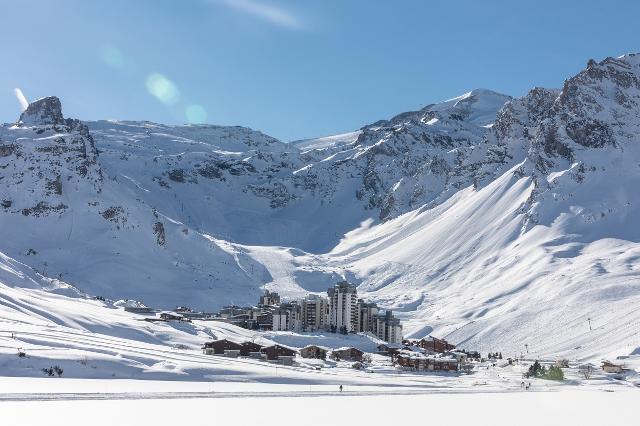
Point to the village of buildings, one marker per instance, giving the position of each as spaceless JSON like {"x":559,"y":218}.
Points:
{"x":341,"y":312}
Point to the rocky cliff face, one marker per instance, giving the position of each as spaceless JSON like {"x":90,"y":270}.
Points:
{"x":43,"y":112}
{"x":43,"y":157}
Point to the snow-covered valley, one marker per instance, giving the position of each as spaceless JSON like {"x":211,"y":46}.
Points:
{"x":495,"y":222}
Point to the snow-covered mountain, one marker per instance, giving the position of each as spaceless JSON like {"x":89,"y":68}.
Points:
{"x":490,"y":220}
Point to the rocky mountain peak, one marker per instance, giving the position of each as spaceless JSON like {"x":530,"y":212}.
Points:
{"x":43,"y":112}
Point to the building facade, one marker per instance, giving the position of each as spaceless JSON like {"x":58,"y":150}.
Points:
{"x":367,"y":313}
{"x":286,"y":317}
{"x":269,"y":298}
{"x":433,"y":344}
{"x":343,"y":310}
{"x":388,"y":328}
{"x":315,"y":312}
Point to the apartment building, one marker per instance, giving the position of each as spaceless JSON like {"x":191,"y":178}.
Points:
{"x":286,"y":317}
{"x":367,"y":312}
{"x":343,"y":310}
{"x":315,"y":312}
{"x":388,"y":327}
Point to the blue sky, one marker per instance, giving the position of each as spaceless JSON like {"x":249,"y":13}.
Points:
{"x":293,"y":69}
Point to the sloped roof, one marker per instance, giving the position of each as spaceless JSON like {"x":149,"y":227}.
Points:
{"x":316,"y":346}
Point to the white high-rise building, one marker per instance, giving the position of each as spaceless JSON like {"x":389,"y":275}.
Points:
{"x":343,"y":310}
{"x":367,"y":312}
{"x":315,"y":312}
{"x":388,"y":328}
{"x":286,"y":317}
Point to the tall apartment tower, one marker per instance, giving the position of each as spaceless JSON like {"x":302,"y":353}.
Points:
{"x":315,"y":312}
{"x":269,"y":298}
{"x":388,"y":328}
{"x":343,"y":310}
{"x":286,"y":317}
{"x":367,"y":316}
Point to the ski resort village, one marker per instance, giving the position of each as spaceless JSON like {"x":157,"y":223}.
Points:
{"x":130,"y":268}
{"x":446,"y":254}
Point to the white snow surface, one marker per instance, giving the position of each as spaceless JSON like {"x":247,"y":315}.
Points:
{"x":583,"y":408}
{"x":327,"y":141}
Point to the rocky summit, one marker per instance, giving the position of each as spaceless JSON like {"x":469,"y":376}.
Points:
{"x":43,"y":112}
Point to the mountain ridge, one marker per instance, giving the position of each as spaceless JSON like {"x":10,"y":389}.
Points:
{"x":497,"y":193}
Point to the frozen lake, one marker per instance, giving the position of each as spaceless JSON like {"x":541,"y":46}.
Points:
{"x":568,"y":406}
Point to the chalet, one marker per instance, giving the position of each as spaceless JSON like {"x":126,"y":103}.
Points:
{"x":609,"y":367}
{"x":389,"y":348}
{"x":220,"y":347}
{"x":251,"y":349}
{"x":434,"y":344}
{"x":313,"y":351}
{"x":172,"y":316}
{"x":420,"y":362}
{"x":461,"y":357}
{"x":412,"y":350}
{"x":275,"y":352}
{"x":413,"y":361}
{"x":347,"y":354}
{"x":442,"y":364}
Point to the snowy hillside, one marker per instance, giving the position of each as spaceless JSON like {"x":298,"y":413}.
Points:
{"x":495,"y":222}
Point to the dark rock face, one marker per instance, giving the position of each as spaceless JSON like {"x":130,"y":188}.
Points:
{"x":7,"y":150}
{"x":158,"y":230}
{"x":43,"y":112}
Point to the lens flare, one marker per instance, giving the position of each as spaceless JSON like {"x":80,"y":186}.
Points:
{"x":163,"y":89}
{"x":196,"y":114}
{"x":113,"y":57}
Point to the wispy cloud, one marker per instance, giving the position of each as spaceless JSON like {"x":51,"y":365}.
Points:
{"x":267,"y":12}
{"x":21,"y":98}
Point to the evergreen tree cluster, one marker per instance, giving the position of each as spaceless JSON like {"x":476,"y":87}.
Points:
{"x":552,"y":373}
{"x":342,"y":330}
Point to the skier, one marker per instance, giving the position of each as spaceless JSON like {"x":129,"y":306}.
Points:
{"x":340,"y":388}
